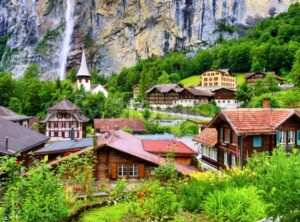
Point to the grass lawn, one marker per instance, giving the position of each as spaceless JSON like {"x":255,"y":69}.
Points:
{"x":240,"y":78}
{"x":106,"y":214}
{"x":130,"y":113}
{"x":117,"y":213}
{"x":191,"y":81}
{"x":206,"y":109}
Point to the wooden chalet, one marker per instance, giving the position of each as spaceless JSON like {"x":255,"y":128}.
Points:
{"x":106,"y":125}
{"x":8,"y":114}
{"x":122,"y":155}
{"x":252,"y":77}
{"x":239,"y":132}
{"x":168,"y":95}
{"x":65,"y":121}
{"x":18,"y":140}
{"x":225,"y":98}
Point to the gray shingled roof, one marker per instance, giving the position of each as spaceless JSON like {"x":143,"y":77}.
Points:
{"x":20,"y":139}
{"x":65,"y":104}
{"x":67,"y":145}
{"x":8,"y":114}
{"x":164,"y":88}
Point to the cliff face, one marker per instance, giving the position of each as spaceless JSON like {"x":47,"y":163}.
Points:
{"x":116,"y":33}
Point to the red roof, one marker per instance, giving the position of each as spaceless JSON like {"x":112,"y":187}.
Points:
{"x":254,"y":120}
{"x":208,"y":137}
{"x":105,"y":125}
{"x":160,"y":146}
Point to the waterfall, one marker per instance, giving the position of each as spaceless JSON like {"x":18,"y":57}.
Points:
{"x":66,"y":46}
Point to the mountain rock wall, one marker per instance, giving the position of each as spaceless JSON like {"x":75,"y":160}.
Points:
{"x":116,"y":33}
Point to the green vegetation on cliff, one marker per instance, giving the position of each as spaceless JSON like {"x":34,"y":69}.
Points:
{"x":271,"y":46}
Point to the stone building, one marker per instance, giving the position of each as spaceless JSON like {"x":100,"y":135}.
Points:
{"x":218,"y":78}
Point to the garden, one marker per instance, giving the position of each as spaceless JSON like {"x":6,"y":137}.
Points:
{"x":268,"y":187}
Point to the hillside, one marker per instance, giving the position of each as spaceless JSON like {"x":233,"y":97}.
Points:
{"x":271,"y":45}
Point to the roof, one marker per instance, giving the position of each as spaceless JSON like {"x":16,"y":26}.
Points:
{"x":130,"y":144}
{"x":220,"y":70}
{"x":165,"y":88}
{"x":200,"y":92}
{"x":20,"y":139}
{"x":63,"y":146}
{"x":219,"y":88}
{"x":163,"y":147}
{"x":83,"y":70}
{"x":208,"y":137}
{"x":165,"y":136}
{"x":249,"y":75}
{"x":252,"y":121}
{"x":8,"y":114}
{"x":68,"y":106}
{"x":105,"y":125}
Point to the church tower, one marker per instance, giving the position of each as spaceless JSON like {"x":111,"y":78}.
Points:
{"x":83,"y":75}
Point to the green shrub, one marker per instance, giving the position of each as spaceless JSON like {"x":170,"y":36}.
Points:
{"x":206,"y":109}
{"x":235,"y":205}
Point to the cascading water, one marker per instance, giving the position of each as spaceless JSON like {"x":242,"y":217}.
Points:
{"x":66,"y":46}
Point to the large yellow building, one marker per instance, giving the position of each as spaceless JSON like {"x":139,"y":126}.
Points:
{"x":218,"y":78}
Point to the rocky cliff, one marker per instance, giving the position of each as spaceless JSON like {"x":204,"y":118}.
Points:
{"x":116,"y":33}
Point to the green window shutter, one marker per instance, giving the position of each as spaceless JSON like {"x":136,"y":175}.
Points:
{"x":221,"y":134}
{"x":257,"y":141}
{"x":229,"y":136}
{"x":298,"y":137}
{"x":278,"y":135}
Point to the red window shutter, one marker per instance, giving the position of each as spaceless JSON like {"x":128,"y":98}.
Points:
{"x":141,"y":170}
{"x":114,"y":171}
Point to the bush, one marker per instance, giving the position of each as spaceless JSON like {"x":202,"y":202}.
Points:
{"x":235,"y":205}
{"x":38,"y":197}
{"x":206,"y":109}
{"x":155,"y":202}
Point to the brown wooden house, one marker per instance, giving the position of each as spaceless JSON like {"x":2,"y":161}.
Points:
{"x":241,"y":131}
{"x":225,"y":97}
{"x":252,"y":77}
{"x":122,"y":155}
{"x":8,"y":114}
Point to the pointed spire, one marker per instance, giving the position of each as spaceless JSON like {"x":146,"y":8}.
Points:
{"x":83,"y":70}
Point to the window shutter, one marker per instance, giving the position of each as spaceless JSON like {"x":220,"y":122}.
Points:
{"x":141,"y":170}
{"x":229,"y":136}
{"x":257,"y":141}
{"x":278,"y":134}
{"x":298,"y":137}
{"x":221,"y":134}
{"x":114,"y":171}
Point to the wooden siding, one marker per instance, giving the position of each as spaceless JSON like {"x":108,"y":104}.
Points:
{"x":224,"y":94}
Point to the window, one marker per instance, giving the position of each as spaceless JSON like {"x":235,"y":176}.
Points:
{"x":221,"y":134}
{"x":257,"y":141}
{"x":283,"y":137}
{"x":291,"y":137}
{"x":122,"y":170}
{"x":233,"y":161}
{"x":225,"y":159}
{"x":228,"y":136}
{"x":133,"y":170}
{"x":210,"y":152}
{"x":67,"y":134}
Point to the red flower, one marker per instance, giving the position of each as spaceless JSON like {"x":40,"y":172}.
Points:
{"x":68,"y":153}
{"x":18,"y":162}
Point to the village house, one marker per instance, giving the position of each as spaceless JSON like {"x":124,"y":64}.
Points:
{"x":225,"y":98}
{"x":134,"y":125}
{"x":252,"y":77}
{"x":170,"y":95}
{"x":18,"y":140}
{"x":8,"y":114}
{"x":122,"y":155}
{"x":235,"y":134}
{"x":218,"y":78}
{"x":84,"y":79}
{"x":65,"y":121}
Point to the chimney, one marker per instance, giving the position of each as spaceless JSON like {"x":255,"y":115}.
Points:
{"x":6,"y":144}
{"x":267,"y":103}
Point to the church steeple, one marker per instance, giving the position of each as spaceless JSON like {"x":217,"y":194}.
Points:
{"x":83,"y":70}
{"x":83,"y":75}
